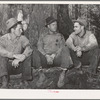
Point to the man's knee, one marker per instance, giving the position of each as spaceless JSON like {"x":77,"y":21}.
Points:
{"x":3,"y":60}
{"x":36,"y":58}
{"x":65,"y":49}
{"x":95,"y":51}
{"x":66,"y":59}
{"x":3,"y":66}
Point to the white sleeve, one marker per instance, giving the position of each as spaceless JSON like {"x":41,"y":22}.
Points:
{"x":92,"y":40}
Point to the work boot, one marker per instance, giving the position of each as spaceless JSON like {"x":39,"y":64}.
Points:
{"x":4,"y":82}
{"x":41,"y":79}
{"x":61,"y":79}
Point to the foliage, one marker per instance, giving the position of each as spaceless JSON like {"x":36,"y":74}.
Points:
{"x":95,"y":21}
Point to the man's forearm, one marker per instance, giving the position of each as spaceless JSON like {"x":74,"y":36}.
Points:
{"x":70,"y":45}
{"x":42,"y":51}
{"x":28,"y":51}
{"x":20,"y":57}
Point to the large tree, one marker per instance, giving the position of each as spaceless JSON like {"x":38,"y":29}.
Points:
{"x":65,"y":25}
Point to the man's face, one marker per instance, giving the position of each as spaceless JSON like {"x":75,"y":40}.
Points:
{"x":18,"y":30}
{"x":53,"y":26}
{"x":77,"y":28}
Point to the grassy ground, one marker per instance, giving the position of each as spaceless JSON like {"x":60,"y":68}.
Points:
{"x":74,"y":79}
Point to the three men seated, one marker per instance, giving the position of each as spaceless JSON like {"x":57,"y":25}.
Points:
{"x":52,"y":50}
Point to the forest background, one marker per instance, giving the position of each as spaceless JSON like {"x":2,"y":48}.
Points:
{"x":36,"y":14}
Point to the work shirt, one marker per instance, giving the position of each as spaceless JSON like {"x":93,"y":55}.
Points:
{"x":88,"y":41}
{"x":15,"y":46}
{"x":50,"y":43}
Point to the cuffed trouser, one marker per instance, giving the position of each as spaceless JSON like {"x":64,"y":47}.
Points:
{"x":90,"y":57}
{"x":6,"y":68}
{"x":63,"y":60}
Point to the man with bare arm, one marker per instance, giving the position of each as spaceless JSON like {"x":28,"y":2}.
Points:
{"x":15,"y":53}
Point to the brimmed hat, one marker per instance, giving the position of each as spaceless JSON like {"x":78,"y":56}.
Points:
{"x":50,"y":20}
{"x":81,"y":21}
{"x":11,"y":22}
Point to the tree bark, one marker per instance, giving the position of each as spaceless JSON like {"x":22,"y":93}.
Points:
{"x":65,"y":25}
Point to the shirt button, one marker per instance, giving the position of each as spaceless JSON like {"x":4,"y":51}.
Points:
{"x":56,"y":40}
{"x":56,"y":44}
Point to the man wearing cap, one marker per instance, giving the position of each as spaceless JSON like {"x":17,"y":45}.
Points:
{"x":51,"y":52}
{"x":83,"y":46}
{"x":15,"y":53}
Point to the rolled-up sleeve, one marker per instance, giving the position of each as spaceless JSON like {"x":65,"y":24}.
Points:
{"x":26,"y":45}
{"x":92,"y":43}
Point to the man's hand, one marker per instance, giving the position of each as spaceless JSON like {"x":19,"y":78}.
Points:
{"x":15,"y":63}
{"x":83,"y":49}
{"x":49,"y":59}
{"x":20,"y":57}
{"x":79,"y":53}
{"x":53,"y":56}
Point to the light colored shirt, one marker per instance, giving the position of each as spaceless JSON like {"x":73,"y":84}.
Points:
{"x":50,"y":43}
{"x":16,"y":46}
{"x":88,"y":41}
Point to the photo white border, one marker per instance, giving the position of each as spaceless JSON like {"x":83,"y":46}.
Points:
{"x":50,"y":2}
{"x":49,"y":93}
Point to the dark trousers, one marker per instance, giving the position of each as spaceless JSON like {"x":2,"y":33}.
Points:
{"x":90,"y":58}
{"x":6,"y":68}
{"x":63,"y":60}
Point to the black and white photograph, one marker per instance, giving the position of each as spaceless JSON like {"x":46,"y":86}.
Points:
{"x":50,"y":46}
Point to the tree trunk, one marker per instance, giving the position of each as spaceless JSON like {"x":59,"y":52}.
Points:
{"x":76,"y":11}
{"x":65,"y":25}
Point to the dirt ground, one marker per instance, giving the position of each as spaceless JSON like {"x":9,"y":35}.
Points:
{"x":74,"y":79}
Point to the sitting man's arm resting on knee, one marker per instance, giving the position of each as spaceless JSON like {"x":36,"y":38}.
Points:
{"x":27,"y":50}
{"x":70,"y":44}
{"x":21,"y":57}
{"x":40,"y":46}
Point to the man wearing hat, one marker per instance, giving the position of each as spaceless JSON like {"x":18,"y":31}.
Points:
{"x":83,"y":46}
{"x":15,"y":53}
{"x":51,"y":52}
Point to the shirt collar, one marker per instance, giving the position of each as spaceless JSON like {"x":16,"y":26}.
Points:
{"x":83,"y":35}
